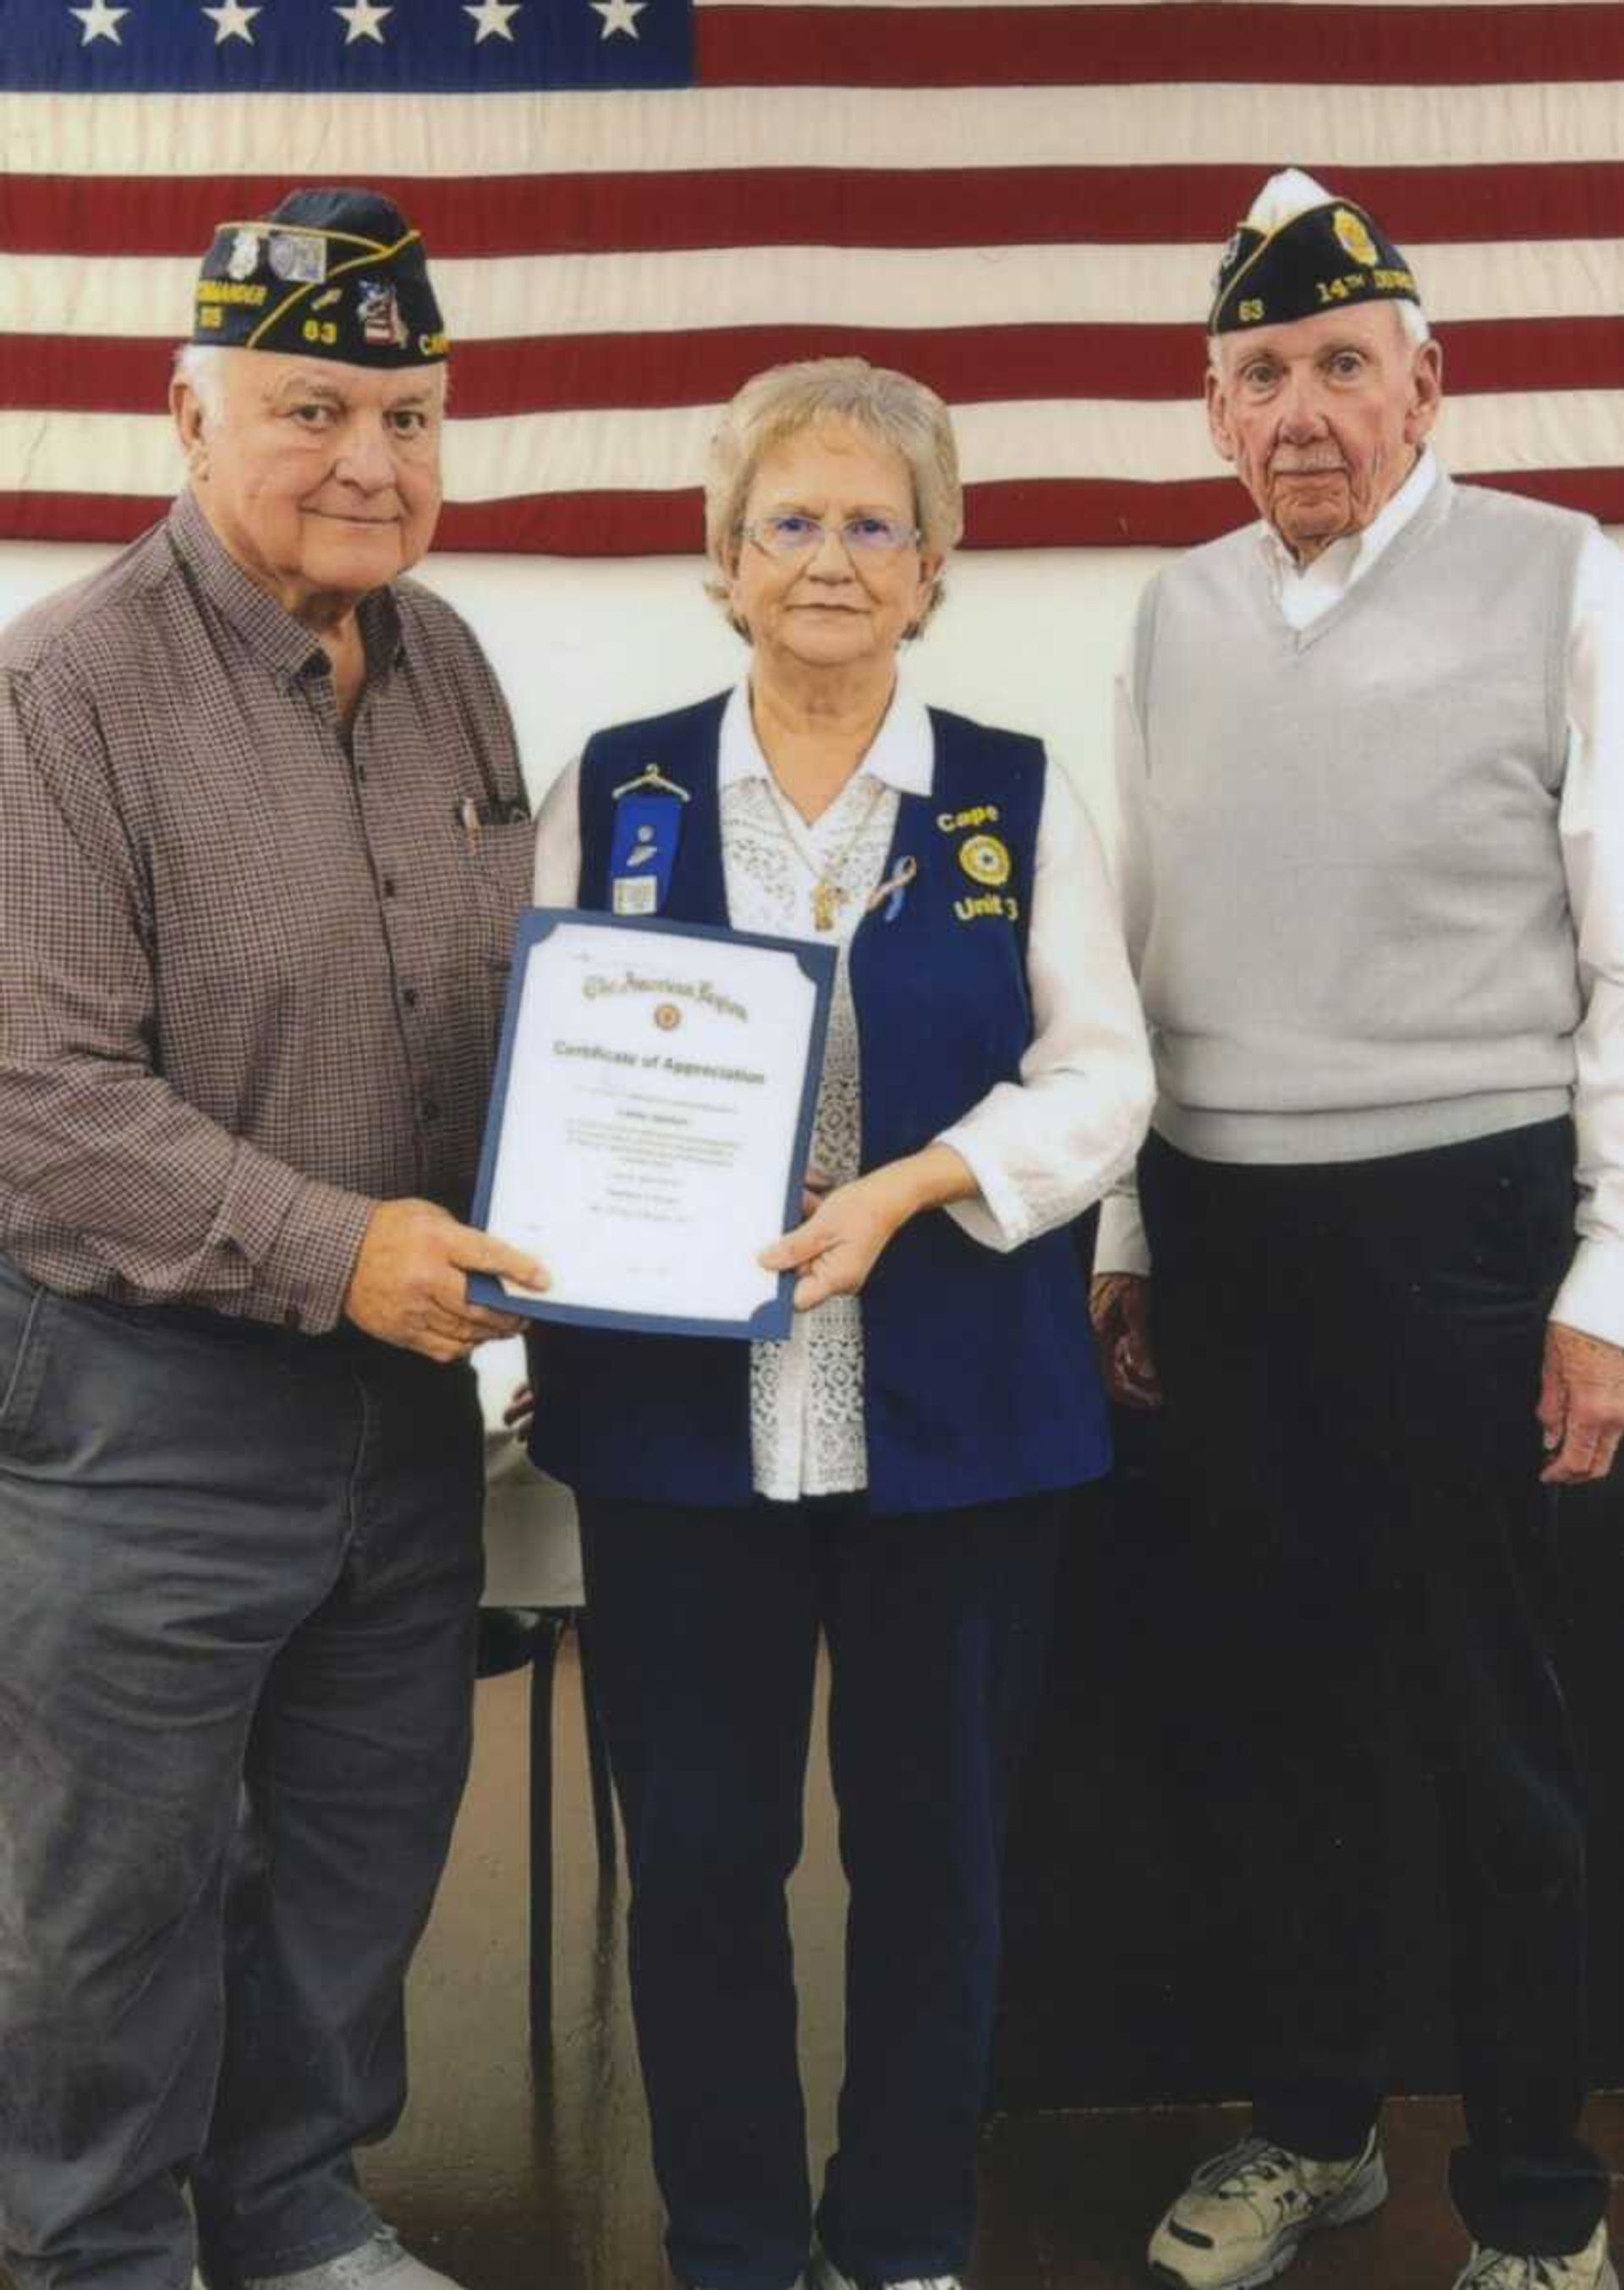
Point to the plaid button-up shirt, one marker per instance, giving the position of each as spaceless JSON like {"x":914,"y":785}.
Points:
{"x":251,"y":966}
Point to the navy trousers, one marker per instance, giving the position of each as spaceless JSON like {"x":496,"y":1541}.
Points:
{"x":1351,"y":1357}
{"x":240,"y":1573}
{"x":705,"y":1631}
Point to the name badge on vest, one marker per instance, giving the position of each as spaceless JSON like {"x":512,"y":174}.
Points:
{"x":648,"y":830}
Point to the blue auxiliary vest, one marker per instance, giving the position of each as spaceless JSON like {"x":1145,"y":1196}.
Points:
{"x":979,"y":1378}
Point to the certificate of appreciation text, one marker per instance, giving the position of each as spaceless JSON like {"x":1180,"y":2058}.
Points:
{"x":651,"y":1119}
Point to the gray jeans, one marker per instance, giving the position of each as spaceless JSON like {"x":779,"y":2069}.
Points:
{"x":238,"y":1575}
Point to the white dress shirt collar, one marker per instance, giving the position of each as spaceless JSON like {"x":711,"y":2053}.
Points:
{"x":1305,"y":593}
{"x":902,"y":752}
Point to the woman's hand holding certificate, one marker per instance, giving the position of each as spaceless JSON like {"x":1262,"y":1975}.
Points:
{"x":846,"y":1230}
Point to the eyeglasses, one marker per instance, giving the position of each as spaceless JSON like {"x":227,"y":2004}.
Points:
{"x":791,"y":534}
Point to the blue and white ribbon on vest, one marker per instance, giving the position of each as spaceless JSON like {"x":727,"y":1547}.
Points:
{"x":648,"y":833}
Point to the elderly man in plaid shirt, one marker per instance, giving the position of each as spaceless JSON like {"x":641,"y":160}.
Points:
{"x":262,"y":843}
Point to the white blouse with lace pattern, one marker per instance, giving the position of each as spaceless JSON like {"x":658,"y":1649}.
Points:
{"x":1041,"y":1150}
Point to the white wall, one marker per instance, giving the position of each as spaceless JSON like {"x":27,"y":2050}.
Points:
{"x":1030,"y":638}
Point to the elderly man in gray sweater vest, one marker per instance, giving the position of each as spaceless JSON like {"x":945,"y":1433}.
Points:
{"x":1373,"y":781}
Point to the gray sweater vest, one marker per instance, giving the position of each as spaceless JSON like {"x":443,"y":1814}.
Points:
{"x":1359,"y":940}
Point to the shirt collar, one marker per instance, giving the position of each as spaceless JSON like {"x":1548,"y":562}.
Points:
{"x":902,"y":752}
{"x":1346,"y":561}
{"x":284,"y":643}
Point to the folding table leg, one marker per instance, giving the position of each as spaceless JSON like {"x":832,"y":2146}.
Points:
{"x":543,"y":1658}
{"x":597,"y":1754}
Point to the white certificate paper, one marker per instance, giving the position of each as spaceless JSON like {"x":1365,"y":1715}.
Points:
{"x":650,"y":1121}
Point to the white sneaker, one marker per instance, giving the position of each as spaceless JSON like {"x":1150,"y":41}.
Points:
{"x":1244,"y":2214}
{"x":377,"y":2264}
{"x":827,"y":2276}
{"x":1589,"y":2269}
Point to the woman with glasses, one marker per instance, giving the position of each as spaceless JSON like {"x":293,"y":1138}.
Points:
{"x":896,"y":1473}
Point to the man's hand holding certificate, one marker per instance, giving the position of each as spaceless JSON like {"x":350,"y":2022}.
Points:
{"x":650,"y":1121}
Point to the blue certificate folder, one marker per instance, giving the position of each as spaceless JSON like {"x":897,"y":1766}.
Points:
{"x":773,"y":1320}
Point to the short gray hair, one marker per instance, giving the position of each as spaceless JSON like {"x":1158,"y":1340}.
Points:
{"x":202,"y":366}
{"x":1415,"y":322}
{"x":784,"y":400}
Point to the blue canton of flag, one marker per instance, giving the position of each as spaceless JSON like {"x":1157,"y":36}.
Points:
{"x":397,"y":47}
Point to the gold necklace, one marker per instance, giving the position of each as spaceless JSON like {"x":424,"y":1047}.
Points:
{"x":829,"y":893}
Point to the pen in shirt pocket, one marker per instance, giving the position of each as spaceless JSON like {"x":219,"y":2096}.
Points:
{"x":472,"y":815}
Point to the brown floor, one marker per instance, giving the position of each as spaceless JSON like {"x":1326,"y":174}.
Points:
{"x":512,"y":2188}
{"x":513,"y":2185}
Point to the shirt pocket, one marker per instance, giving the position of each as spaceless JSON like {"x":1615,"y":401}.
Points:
{"x":497,"y":862}
{"x":496,"y":867}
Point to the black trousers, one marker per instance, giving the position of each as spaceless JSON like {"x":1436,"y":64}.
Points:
{"x":240,"y":1570}
{"x":705,"y":1628}
{"x":1351,"y":1356}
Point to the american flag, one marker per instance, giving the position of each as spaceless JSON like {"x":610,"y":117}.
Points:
{"x":631,"y":204}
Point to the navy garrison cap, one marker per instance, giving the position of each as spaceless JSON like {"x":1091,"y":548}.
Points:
{"x":334,"y":274}
{"x":1300,"y":252}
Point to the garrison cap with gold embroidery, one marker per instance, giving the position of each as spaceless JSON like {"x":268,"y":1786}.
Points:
{"x":333,"y":274}
{"x":1300,"y":252}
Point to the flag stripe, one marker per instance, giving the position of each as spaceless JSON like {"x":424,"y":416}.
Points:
{"x":965,"y":364}
{"x":1207,"y":41}
{"x":158,"y":47}
{"x":479,"y":216}
{"x":651,"y":296}
{"x":1038,"y":514}
{"x":729,"y":131}
{"x":1046,"y":513}
{"x":657,"y":449}
{"x":1446,"y":7}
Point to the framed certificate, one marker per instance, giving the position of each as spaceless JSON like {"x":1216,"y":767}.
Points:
{"x":650,"y":1121}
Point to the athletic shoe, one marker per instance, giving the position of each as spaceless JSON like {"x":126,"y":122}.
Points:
{"x":1589,"y":2269}
{"x":1244,"y":2215}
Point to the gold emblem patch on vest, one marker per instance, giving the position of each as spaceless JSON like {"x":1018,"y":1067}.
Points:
{"x":985,"y":859}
